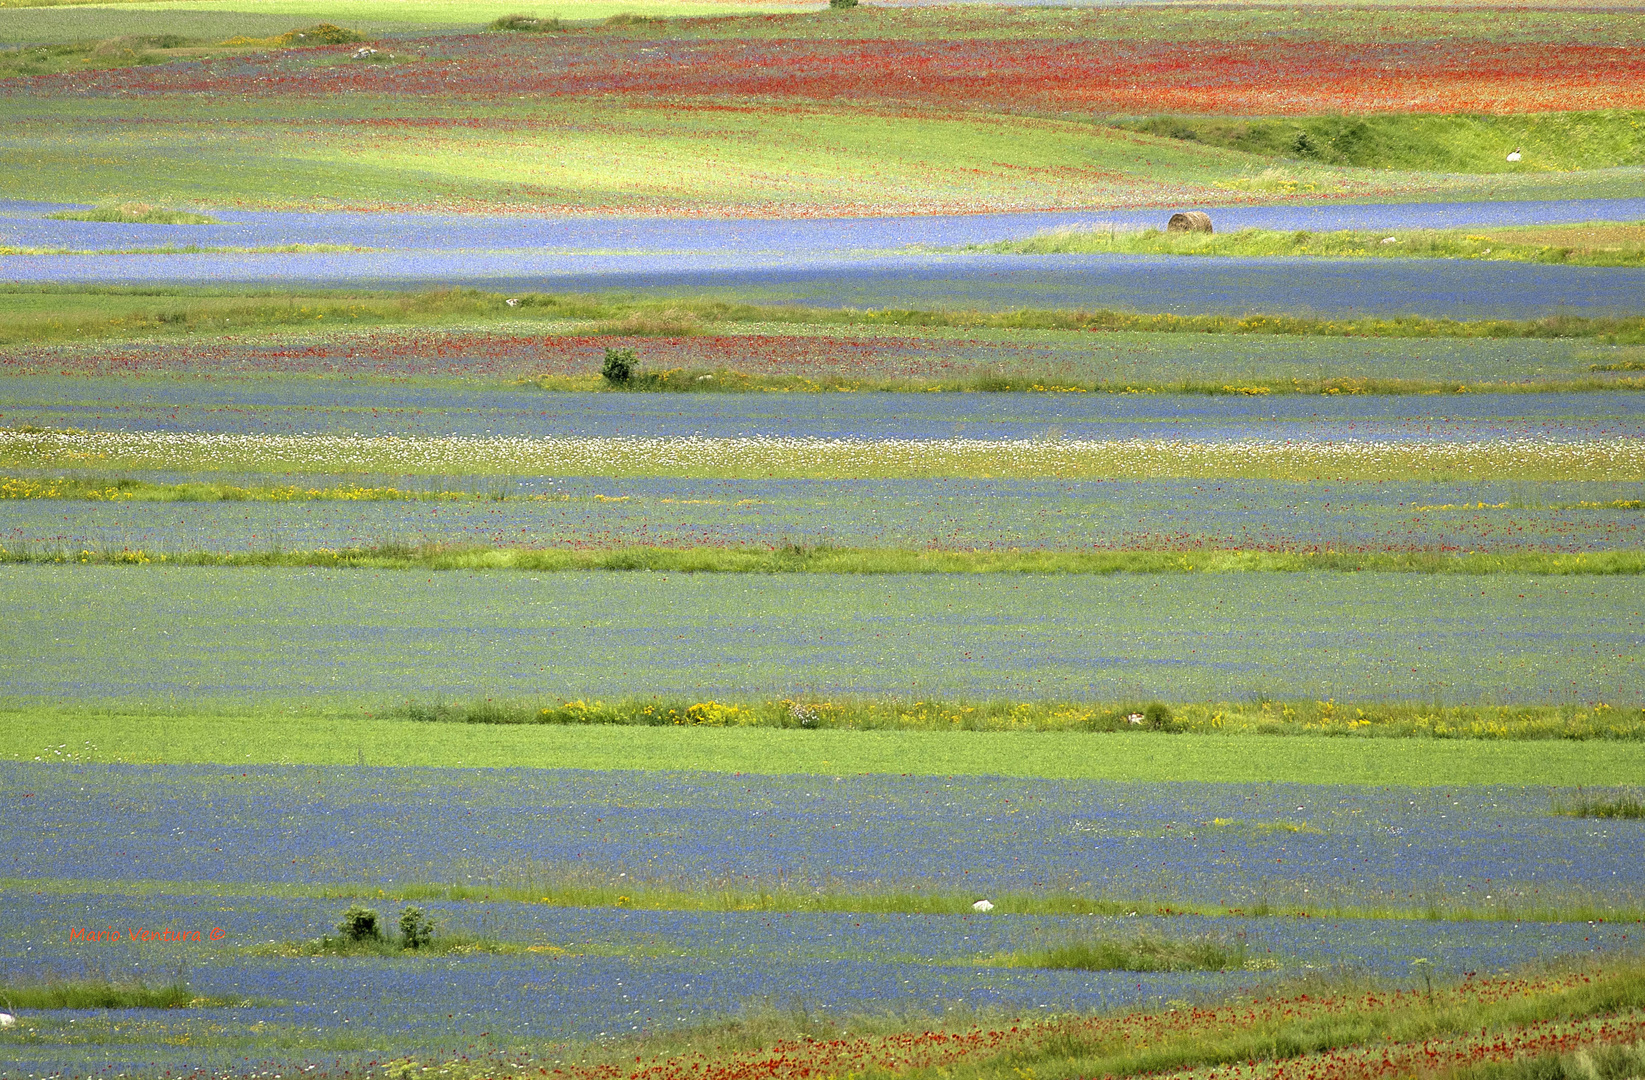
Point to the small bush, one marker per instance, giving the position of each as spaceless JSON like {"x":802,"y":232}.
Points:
{"x":415,"y":929}
{"x":619,"y":366}
{"x":841,"y":5}
{"x":1157,"y":717}
{"x":627,"y":18}
{"x":524,"y":24}
{"x":359,"y":923}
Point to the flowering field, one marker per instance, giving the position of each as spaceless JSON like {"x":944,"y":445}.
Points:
{"x":1611,"y":459}
{"x":654,"y":490}
{"x":198,"y":636}
{"x":937,"y":515}
{"x":776,"y":104}
{"x":257,"y":853}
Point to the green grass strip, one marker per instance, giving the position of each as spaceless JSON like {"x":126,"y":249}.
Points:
{"x":1589,"y":245}
{"x":1298,"y":718}
{"x":106,"y":313}
{"x":829,"y":560}
{"x":304,"y":736}
{"x":572,"y":889}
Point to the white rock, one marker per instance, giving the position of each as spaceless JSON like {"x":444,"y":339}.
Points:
{"x":7,"y":1019}
{"x":983,"y":905}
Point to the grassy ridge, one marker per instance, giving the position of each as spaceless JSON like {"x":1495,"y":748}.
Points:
{"x":1297,"y":718}
{"x":303,"y":735}
{"x":84,"y":314}
{"x":1574,"y":245}
{"x":830,"y":560}
{"x":579,"y":890}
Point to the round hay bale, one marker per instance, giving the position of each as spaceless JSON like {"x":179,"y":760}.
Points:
{"x":1190,"y":221}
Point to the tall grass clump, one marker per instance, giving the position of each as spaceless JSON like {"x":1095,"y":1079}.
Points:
{"x":525,"y":24}
{"x":1628,"y":805}
{"x":135,"y":213}
{"x":1620,"y":1062}
{"x":1141,"y":953}
{"x":96,"y":994}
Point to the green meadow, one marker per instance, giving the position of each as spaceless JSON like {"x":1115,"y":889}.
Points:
{"x":270,"y":736}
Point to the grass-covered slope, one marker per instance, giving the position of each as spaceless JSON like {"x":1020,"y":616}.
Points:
{"x":1459,"y":143}
{"x":778,"y":114}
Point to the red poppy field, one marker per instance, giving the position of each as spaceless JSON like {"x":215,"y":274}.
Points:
{"x":1239,"y":78}
{"x":602,"y":118}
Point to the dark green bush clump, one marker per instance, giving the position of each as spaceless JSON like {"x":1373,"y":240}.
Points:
{"x":415,"y":929}
{"x":841,"y":5}
{"x":619,"y":366}
{"x":359,"y":923}
{"x":360,"y":932}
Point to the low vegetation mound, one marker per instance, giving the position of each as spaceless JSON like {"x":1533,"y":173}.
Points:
{"x":525,"y":24}
{"x":135,"y":213}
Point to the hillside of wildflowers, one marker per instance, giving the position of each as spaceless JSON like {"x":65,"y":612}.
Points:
{"x":711,"y":540}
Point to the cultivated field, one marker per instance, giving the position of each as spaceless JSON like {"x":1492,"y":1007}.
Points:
{"x":699,"y":540}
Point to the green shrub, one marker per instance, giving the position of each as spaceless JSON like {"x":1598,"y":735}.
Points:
{"x":359,"y":923}
{"x":415,"y":930}
{"x":841,"y":5}
{"x":619,"y":366}
{"x":1157,"y":717}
